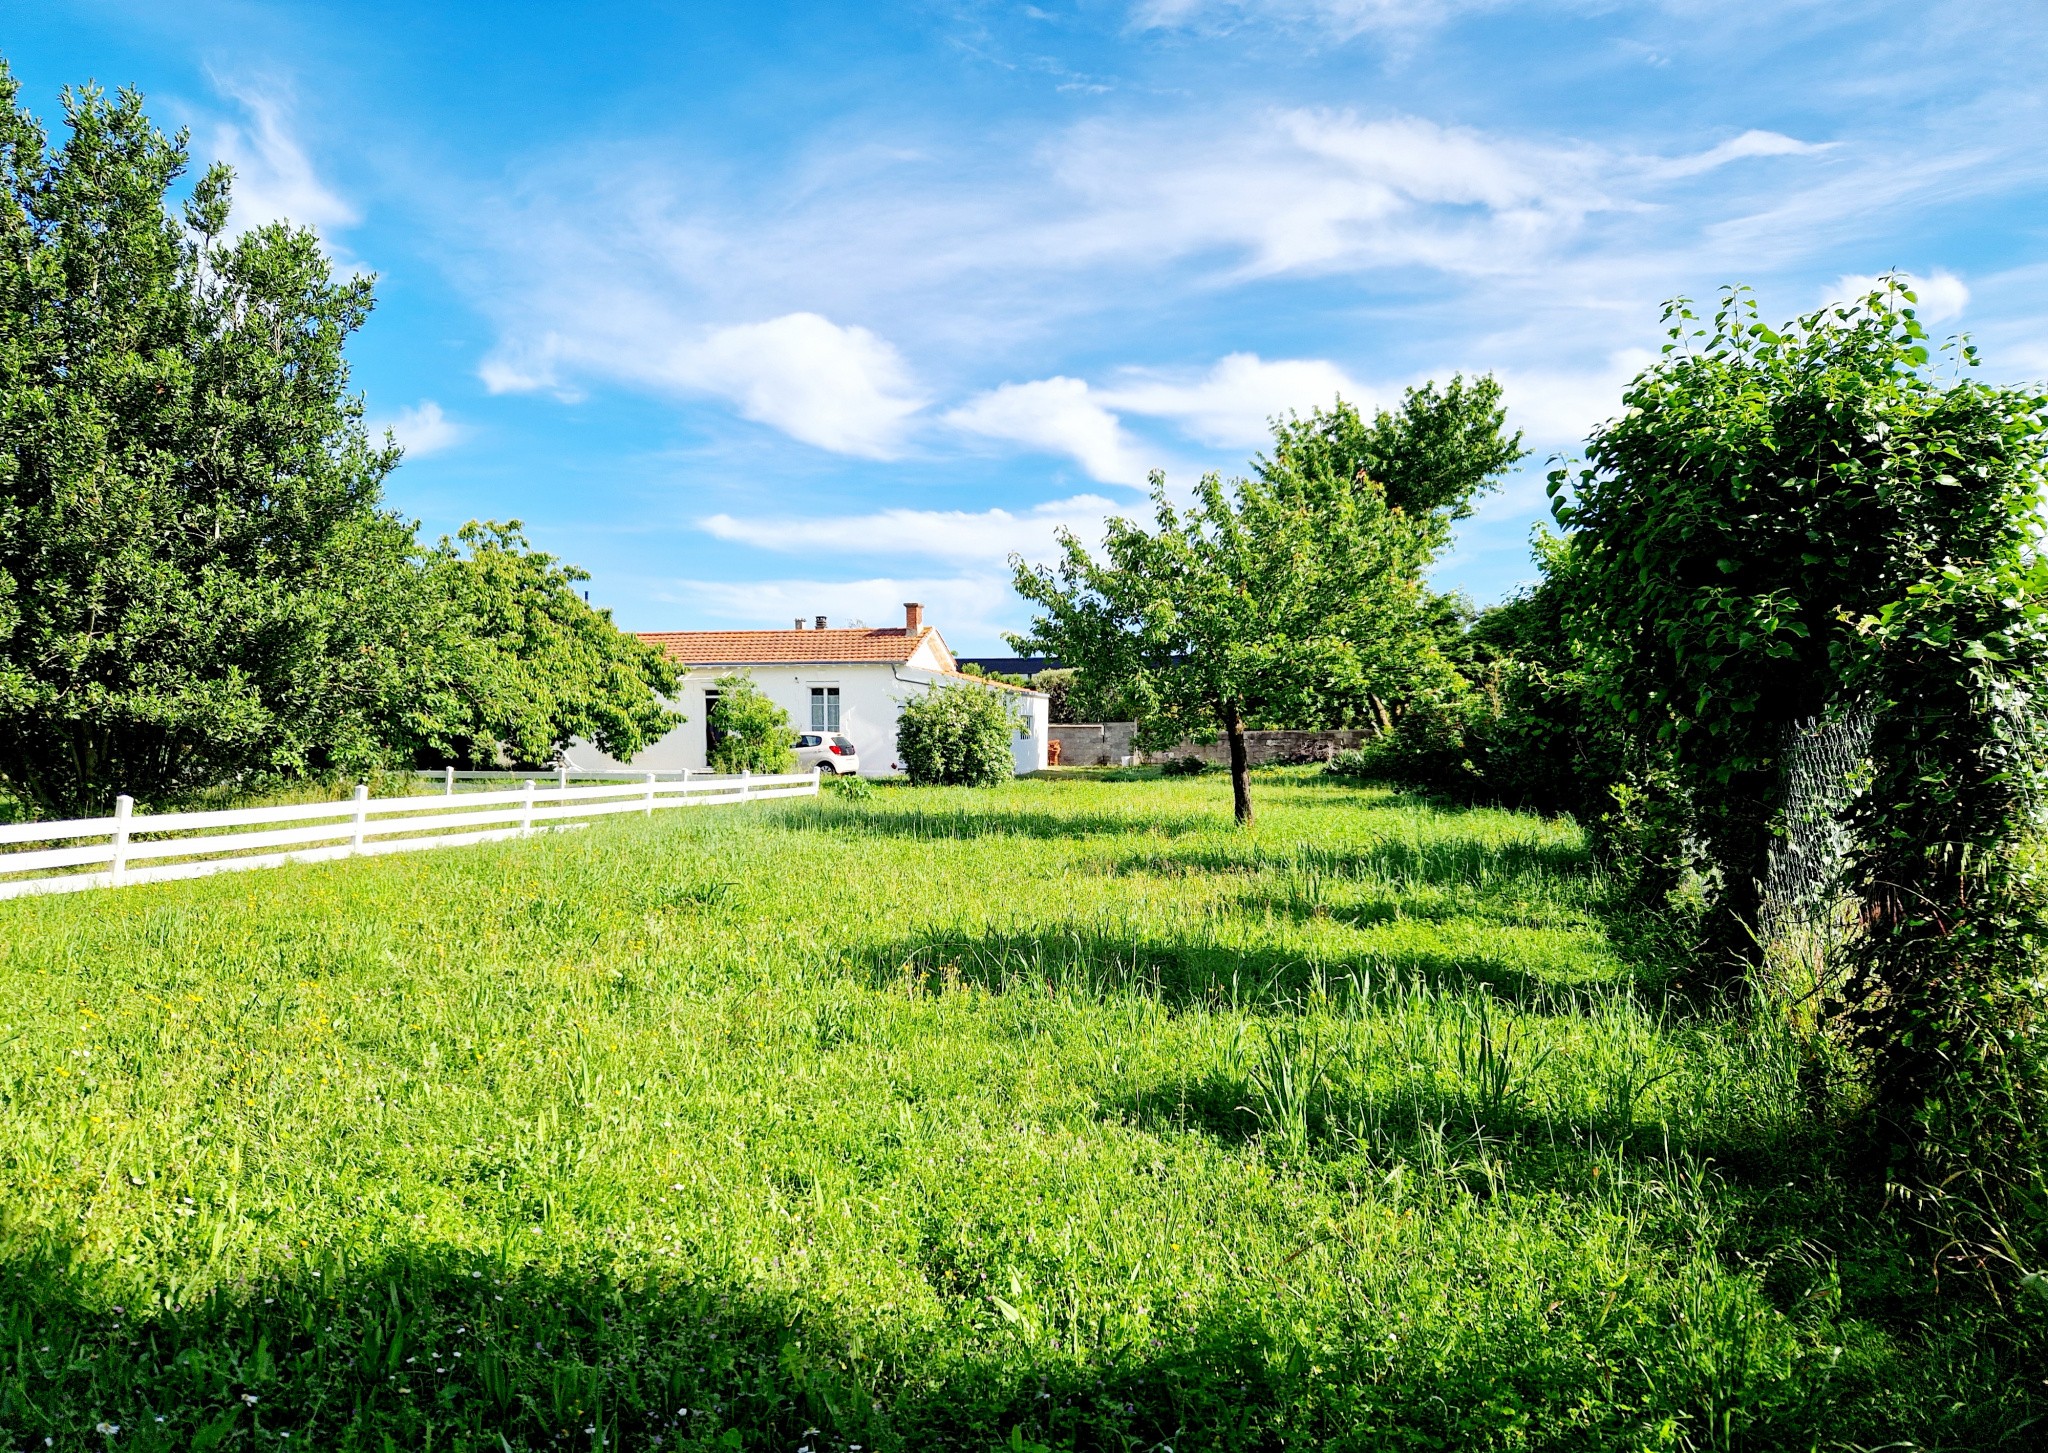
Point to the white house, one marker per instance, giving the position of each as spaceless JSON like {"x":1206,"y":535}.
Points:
{"x":852,"y":681}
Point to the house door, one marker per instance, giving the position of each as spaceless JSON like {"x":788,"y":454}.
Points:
{"x":711,"y":733}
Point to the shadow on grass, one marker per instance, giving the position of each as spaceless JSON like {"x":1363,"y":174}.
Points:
{"x":1194,"y":968}
{"x":1450,"y":861}
{"x":438,"y":1349}
{"x":936,"y":821}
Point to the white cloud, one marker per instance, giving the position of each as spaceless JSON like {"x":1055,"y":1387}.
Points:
{"x":837,"y":387}
{"x":1059,"y":416}
{"x":1231,"y":405}
{"x":1556,"y":408}
{"x":274,"y":178}
{"x":840,"y":388}
{"x":1942,"y":294}
{"x":1749,"y":144}
{"x":976,"y":536}
{"x":422,"y":429}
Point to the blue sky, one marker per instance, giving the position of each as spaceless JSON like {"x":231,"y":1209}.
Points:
{"x":757,"y":311}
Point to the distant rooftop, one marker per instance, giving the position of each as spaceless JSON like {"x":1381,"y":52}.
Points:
{"x":817,"y":644}
{"x":1013,"y":665}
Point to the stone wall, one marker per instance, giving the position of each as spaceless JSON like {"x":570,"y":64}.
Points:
{"x":1106,"y":744}
{"x":1093,"y":744}
{"x":1264,"y":749}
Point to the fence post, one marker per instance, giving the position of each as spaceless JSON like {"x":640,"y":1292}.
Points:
{"x":815,"y":770}
{"x":355,"y":841}
{"x":526,"y":811}
{"x":447,"y":781}
{"x":746,"y":781}
{"x":562,"y":777}
{"x":124,"y":809}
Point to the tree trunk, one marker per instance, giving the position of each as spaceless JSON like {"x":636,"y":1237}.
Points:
{"x":1240,"y":767}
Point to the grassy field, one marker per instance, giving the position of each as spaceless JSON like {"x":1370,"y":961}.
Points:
{"x":1060,"y":1116}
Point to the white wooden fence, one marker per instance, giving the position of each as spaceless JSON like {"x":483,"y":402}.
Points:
{"x":157,"y":846}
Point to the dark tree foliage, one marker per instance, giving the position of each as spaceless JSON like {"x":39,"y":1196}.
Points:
{"x":1790,"y":522}
{"x":1762,"y":495}
{"x":196,"y":579}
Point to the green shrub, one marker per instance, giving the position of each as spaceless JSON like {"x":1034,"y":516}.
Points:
{"x":956,"y":736}
{"x":853,"y":789}
{"x":1188,"y":766}
{"x":753,"y":732}
{"x":1355,"y":762}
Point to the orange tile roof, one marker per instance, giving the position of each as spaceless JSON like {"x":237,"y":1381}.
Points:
{"x":711,"y":648}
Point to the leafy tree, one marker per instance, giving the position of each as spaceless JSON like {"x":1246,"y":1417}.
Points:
{"x":1266,"y":593}
{"x":521,"y":665}
{"x":1431,"y":458}
{"x":957,"y":736}
{"x":1292,"y":597}
{"x":196,"y":578}
{"x":754,"y":734}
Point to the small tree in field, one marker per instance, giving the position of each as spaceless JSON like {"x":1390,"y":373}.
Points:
{"x":1266,"y":594}
{"x":956,"y":736}
{"x":754,"y":734}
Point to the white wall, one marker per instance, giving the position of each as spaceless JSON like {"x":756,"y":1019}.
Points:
{"x":870,"y":694}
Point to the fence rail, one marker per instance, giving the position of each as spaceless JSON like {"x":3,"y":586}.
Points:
{"x":171,"y":845}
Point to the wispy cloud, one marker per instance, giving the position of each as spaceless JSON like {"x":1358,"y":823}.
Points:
{"x":1316,"y":191}
{"x":1739,"y":148}
{"x":275,"y":180}
{"x":957,"y":536}
{"x":1339,"y":18}
{"x":838,"y":387}
{"x":1233,"y":403}
{"x":1555,"y":408}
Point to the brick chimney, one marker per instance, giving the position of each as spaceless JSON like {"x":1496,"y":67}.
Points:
{"x":821,"y":623}
{"x":913,"y":617}
{"x":799,"y":622}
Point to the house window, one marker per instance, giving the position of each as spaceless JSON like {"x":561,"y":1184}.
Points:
{"x":824,"y":708}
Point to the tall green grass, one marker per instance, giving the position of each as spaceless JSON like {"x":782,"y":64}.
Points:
{"x":1065,"y":1115}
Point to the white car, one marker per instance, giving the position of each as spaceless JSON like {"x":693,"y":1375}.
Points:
{"x":828,"y":752}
